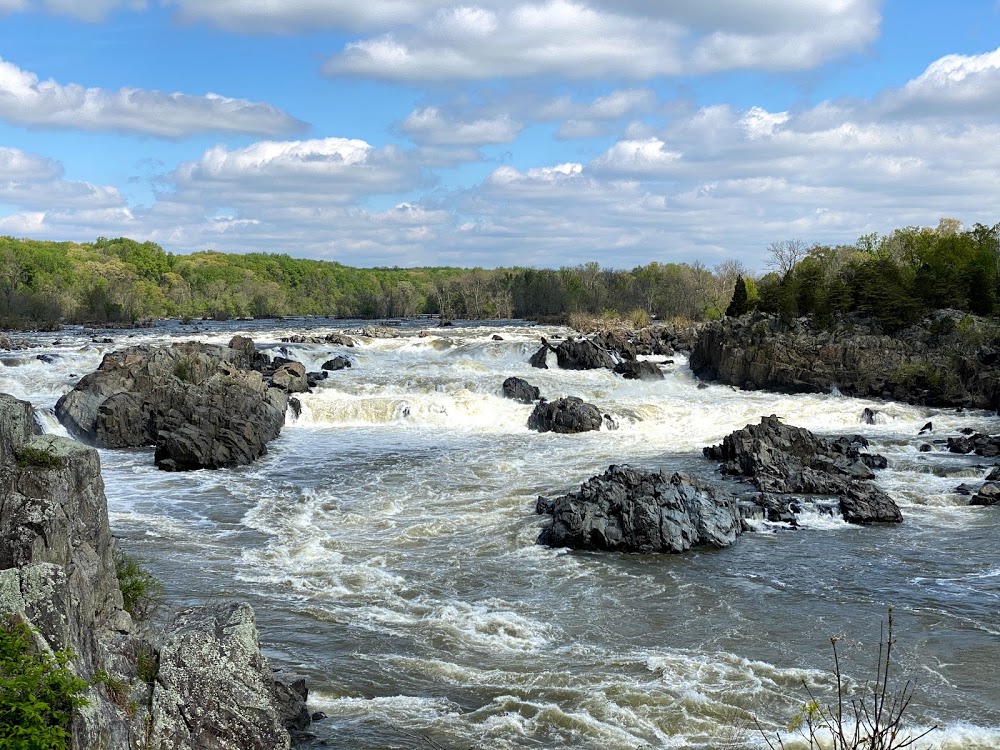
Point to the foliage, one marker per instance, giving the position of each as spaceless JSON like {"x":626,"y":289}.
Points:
{"x":740,"y":304}
{"x":38,"y":692}
{"x":147,"y":663}
{"x":44,"y":458}
{"x":872,"y":719}
{"x":141,"y":591}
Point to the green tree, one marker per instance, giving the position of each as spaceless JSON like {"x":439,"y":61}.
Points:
{"x":739,"y":305}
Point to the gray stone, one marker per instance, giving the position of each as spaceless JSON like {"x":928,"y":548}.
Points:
{"x":565,"y":415}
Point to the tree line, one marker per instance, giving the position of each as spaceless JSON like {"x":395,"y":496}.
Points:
{"x":895,"y":279}
{"x":44,"y":284}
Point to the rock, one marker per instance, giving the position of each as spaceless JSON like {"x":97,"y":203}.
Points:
{"x":341,"y":339}
{"x":994,"y":474}
{"x":989,"y":494}
{"x":781,"y":459}
{"x":929,"y":427}
{"x":566,"y":415}
{"x":378,"y":332}
{"x":337,"y":363}
{"x":964,"y":489}
{"x":214,"y":688}
{"x":291,"y":378}
{"x":914,"y":365}
{"x":638,"y":370}
{"x":581,"y":354}
{"x":610,"y":423}
{"x":630,"y":510}
{"x":925,"y":448}
{"x":520,"y":390}
{"x":538,"y":359}
{"x":291,"y":695}
{"x":868,"y":416}
{"x":496,"y":337}
{"x":202,"y":406}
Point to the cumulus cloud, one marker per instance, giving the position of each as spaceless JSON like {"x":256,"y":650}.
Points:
{"x":428,"y":125}
{"x":32,"y":182}
{"x":27,"y":100}
{"x":577,"y":39}
{"x":287,"y":16}
{"x":88,"y":10}
{"x":338,"y":170}
{"x":950,"y":86}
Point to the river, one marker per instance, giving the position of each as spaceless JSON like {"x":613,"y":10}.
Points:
{"x":387,"y":544}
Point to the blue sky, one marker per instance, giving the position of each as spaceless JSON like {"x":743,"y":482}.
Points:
{"x":498,"y":132}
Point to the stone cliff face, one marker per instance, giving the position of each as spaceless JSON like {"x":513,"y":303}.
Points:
{"x":947,"y":360}
{"x":57,"y":572}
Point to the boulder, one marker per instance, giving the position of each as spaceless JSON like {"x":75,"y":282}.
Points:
{"x":581,"y":354}
{"x":291,"y":378}
{"x":341,"y":339}
{"x":989,"y":494}
{"x":538,"y":359}
{"x":782,"y":459}
{"x":635,"y":369}
{"x":214,"y":688}
{"x":202,"y":406}
{"x":565,"y":415}
{"x":631,"y":510}
{"x":520,"y":390}
{"x":339,"y":362}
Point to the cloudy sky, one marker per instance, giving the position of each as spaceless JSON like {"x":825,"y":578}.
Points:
{"x":497,"y":132}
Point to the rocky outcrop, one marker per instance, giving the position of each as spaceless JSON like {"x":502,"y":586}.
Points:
{"x":565,"y":415}
{"x":784,"y":460}
{"x":630,"y":510}
{"x":939,"y":362}
{"x":989,"y":494}
{"x":581,"y":354}
{"x":201,"y":406}
{"x":520,"y":390}
{"x":213,"y":688}
{"x":979,"y":443}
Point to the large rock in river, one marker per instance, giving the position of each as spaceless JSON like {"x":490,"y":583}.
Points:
{"x":201,"y":405}
{"x":565,"y":415}
{"x":781,"y":459}
{"x":630,"y":510}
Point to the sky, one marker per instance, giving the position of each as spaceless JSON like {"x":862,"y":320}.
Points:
{"x":491,"y":133}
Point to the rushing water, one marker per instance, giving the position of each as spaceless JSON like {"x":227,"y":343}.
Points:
{"x":387,"y":544}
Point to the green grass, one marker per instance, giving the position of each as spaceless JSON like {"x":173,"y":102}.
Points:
{"x":43,"y":458}
{"x":141,"y":591}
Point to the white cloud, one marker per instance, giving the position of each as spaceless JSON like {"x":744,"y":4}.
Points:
{"x":320,"y":171}
{"x":88,"y":10}
{"x":287,"y":16}
{"x":950,"y":86}
{"x":577,"y":39}
{"x":30,"y":182}
{"x":428,"y":125}
{"x":27,"y":100}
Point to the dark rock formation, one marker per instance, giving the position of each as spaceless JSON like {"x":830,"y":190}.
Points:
{"x":978,"y":443}
{"x":539,"y":358}
{"x":630,"y":510}
{"x":637,"y":369}
{"x":916,"y":365}
{"x":581,"y":354}
{"x":781,"y":459}
{"x":565,"y":415}
{"x":339,"y":362}
{"x":202,"y":406}
{"x":520,"y":390}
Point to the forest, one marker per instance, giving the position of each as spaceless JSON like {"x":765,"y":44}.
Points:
{"x":895,"y":278}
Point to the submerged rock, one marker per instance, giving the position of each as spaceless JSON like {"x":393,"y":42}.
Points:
{"x":631,"y":510}
{"x":639,"y":370}
{"x":339,"y":362}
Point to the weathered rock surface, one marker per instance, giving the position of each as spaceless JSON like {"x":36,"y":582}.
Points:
{"x":202,"y":406}
{"x":214,"y":689}
{"x":57,"y":573}
{"x":978,"y":443}
{"x":630,"y":510}
{"x":931,"y":363}
{"x":989,"y":494}
{"x":781,"y":459}
{"x":565,"y":415}
{"x":520,"y":390}
{"x":581,"y":354}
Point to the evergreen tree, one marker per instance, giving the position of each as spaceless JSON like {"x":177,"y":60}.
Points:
{"x":740,"y":304}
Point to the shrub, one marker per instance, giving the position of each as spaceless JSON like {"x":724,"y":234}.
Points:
{"x":639,"y":318}
{"x":870,"y":720}
{"x":141,"y":591}
{"x":42,"y":458}
{"x":38,"y":692}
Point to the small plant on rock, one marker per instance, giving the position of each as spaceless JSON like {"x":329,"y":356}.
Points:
{"x":870,"y":720}
{"x":141,"y":591}
{"x":38,"y":691}
{"x":42,"y":458}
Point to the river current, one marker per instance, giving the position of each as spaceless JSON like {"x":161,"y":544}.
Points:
{"x":387,"y":544}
